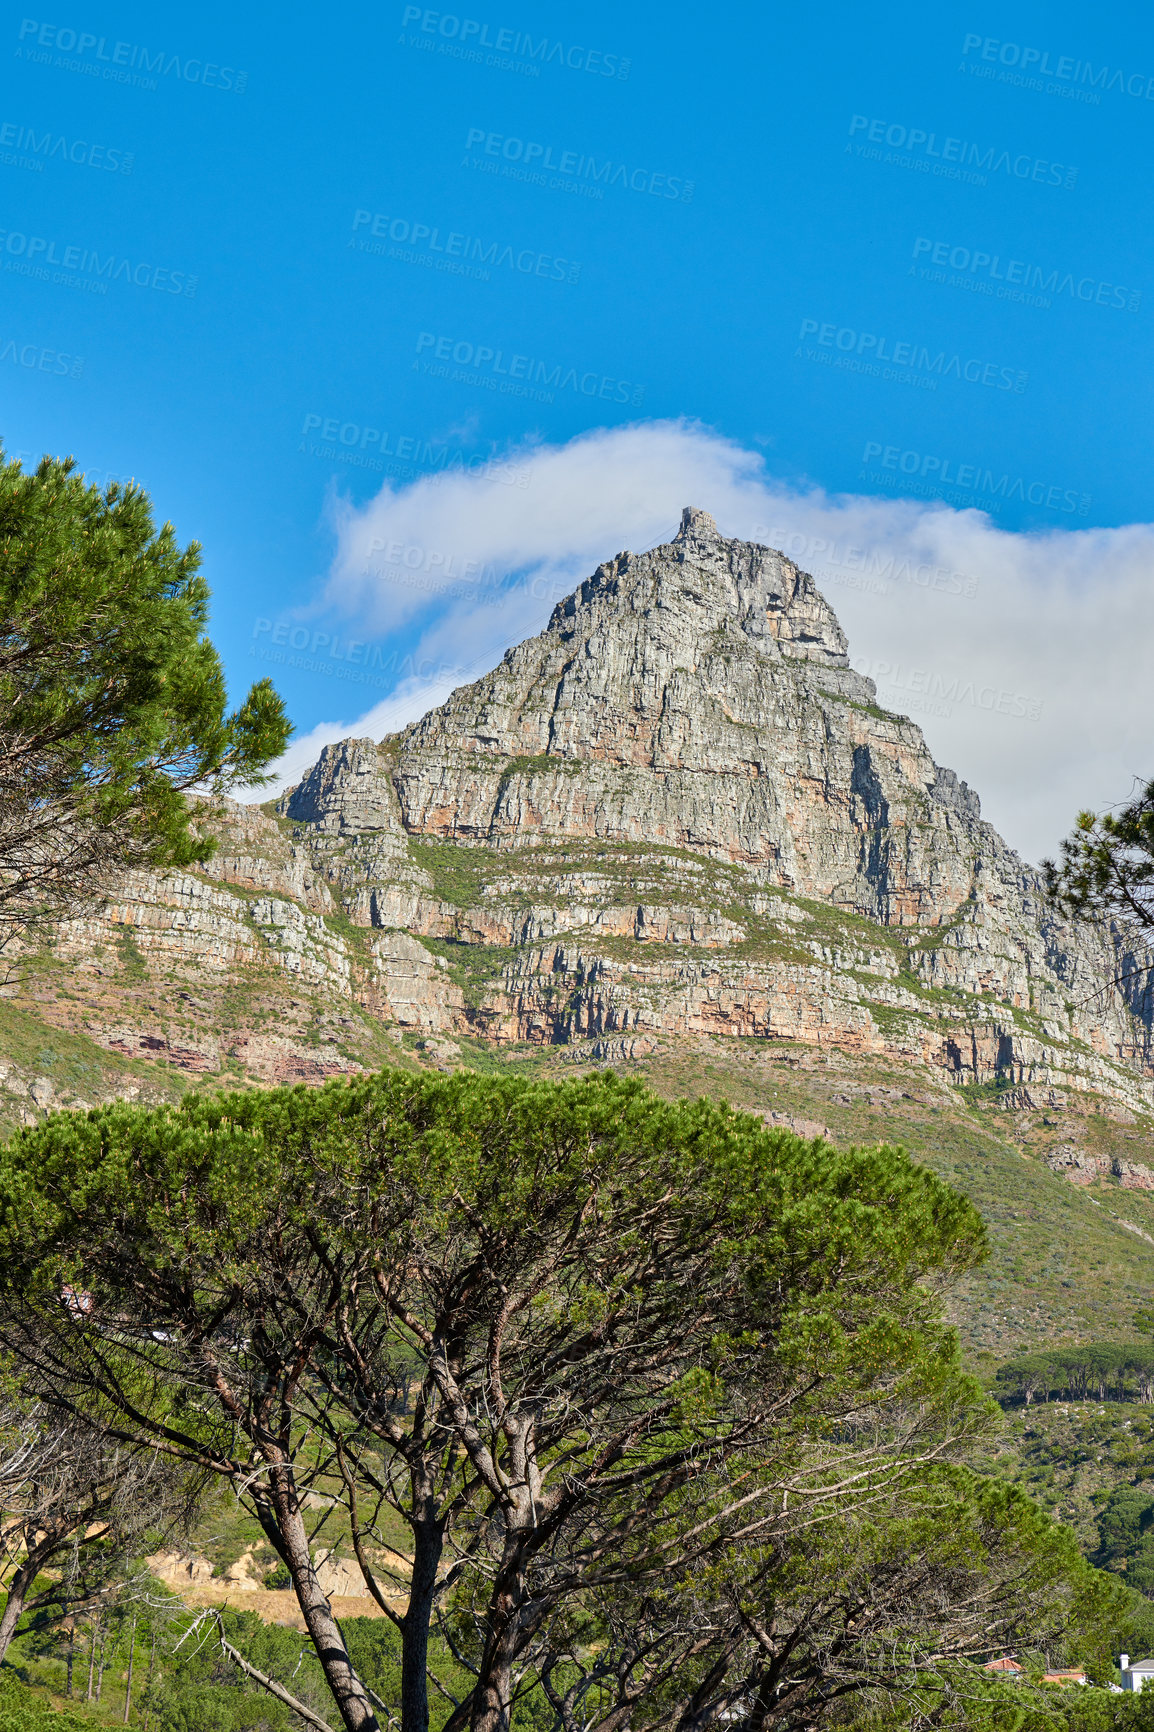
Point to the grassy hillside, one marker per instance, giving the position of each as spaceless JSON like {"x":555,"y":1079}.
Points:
{"x":1067,"y":1262}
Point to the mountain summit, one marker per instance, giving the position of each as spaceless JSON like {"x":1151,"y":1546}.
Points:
{"x":686,"y":737}
{"x":675,"y":814}
{"x":698,"y":696}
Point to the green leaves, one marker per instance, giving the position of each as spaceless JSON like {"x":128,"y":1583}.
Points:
{"x":112,"y":701}
{"x":1107,"y":865}
{"x":573,"y":1335}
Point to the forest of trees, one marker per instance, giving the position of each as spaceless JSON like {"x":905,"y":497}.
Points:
{"x":1105,"y":1370}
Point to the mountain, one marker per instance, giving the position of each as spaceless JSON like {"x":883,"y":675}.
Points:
{"x":683,"y":762}
{"x":674,"y":831}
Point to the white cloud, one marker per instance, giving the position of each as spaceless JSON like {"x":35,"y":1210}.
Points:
{"x":410,"y":700}
{"x":1041,"y":673}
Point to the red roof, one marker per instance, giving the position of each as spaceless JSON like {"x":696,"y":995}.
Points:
{"x":1005,"y":1664}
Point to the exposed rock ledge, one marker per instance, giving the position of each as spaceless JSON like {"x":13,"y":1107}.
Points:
{"x":676,"y":811}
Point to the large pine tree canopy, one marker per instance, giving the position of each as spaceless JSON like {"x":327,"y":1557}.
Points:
{"x":665,"y":1402}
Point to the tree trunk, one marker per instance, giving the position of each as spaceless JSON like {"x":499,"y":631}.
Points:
{"x":349,"y":1693}
{"x":148,"y":1684}
{"x":92,"y":1658}
{"x":37,"y":1554}
{"x":100,"y":1672}
{"x":128,"y":1686}
{"x":428,"y":1540}
{"x":492,"y":1700}
{"x":493,"y":1697}
{"x":71,"y":1655}
{"x":17,"y":1593}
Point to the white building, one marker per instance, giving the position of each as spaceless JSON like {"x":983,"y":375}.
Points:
{"x":1135,"y":1673}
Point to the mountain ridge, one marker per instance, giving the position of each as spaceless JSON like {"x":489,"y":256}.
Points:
{"x":673,"y":833}
{"x":699,"y":699}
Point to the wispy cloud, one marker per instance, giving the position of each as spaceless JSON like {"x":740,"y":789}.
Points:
{"x":1025,"y":657}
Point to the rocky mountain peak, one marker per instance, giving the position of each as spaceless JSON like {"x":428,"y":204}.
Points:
{"x":683,"y":761}
{"x":699,"y":696}
{"x":697,"y":525}
{"x":675,"y":813}
{"x":700,"y":583}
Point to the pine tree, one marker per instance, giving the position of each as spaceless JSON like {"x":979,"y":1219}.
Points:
{"x":112,"y":699}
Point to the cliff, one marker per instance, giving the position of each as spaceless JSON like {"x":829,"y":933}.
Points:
{"x":676,"y":812}
{"x":674,"y":833}
{"x":679,"y":810}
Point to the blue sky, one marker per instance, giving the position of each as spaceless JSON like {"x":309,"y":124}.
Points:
{"x":281,"y":265}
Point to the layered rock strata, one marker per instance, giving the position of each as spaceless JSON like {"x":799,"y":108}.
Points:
{"x":676,"y":811}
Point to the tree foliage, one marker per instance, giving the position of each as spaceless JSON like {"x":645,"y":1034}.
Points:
{"x":1107,"y":864}
{"x":75,"y":1505}
{"x":112,"y":699}
{"x":627,"y":1371}
{"x":891,"y":1602}
{"x":1105,"y":1369}
{"x":23,"y":1710}
{"x":1126,"y":1536}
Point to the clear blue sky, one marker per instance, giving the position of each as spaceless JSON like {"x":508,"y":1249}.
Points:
{"x":826,"y":231}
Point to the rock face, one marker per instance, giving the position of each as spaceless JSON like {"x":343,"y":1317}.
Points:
{"x":675,"y":811}
{"x":698,"y":697}
{"x":1082,"y":1169}
{"x":684,"y":760}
